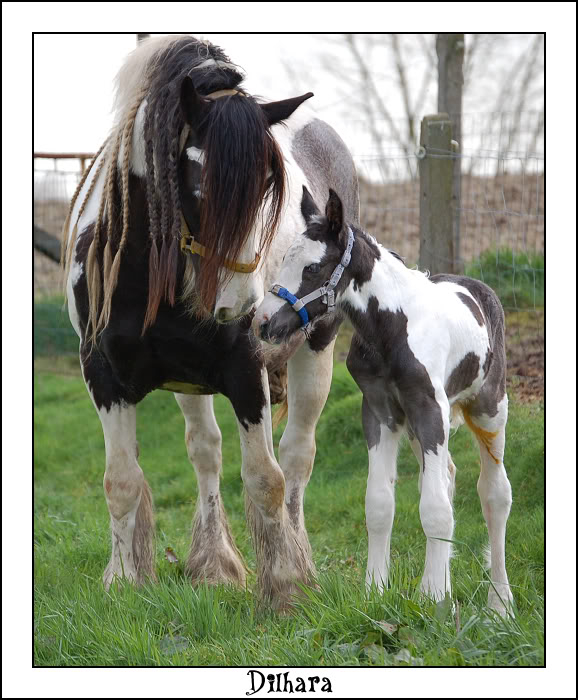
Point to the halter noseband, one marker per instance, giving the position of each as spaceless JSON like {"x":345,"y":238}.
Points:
{"x":327,"y":291}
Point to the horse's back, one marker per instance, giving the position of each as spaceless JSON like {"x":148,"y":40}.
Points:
{"x":323,"y":157}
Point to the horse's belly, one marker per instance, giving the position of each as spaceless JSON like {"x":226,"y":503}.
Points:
{"x":186,"y":388}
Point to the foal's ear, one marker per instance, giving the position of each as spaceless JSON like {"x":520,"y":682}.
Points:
{"x":308,"y":206}
{"x":334,"y":213}
{"x":193,"y":106}
{"x":277,"y":111}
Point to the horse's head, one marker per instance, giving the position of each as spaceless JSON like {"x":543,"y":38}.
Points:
{"x":313,"y":273}
{"x":232,"y":185}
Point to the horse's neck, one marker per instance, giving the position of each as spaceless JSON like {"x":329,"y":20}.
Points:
{"x":389,"y":281}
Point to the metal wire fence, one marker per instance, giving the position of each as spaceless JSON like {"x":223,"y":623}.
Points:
{"x":501,"y":213}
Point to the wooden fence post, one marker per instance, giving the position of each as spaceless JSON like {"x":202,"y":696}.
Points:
{"x":450,"y":50}
{"x":436,"y":252}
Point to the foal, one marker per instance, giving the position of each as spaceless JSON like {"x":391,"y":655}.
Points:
{"x":425,"y":349}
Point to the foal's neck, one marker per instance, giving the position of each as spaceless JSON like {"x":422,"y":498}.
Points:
{"x":376,"y":272}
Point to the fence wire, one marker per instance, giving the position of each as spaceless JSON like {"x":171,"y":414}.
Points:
{"x":501,"y":214}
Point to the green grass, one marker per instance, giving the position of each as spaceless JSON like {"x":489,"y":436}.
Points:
{"x":517,"y":278}
{"x":78,"y":624}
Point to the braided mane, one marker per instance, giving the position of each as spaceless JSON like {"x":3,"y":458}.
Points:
{"x":147,"y":95}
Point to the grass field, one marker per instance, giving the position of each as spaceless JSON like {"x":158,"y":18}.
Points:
{"x":78,"y":624}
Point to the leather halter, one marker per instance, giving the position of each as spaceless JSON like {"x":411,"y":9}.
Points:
{"x":327,"y":291}
{"x":188,"y":243}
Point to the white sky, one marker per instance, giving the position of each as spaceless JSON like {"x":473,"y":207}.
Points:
{"x":73,"y":79}
{"x":74,"y":74}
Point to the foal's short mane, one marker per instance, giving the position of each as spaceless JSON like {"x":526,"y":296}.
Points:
{"x":151,"y":77}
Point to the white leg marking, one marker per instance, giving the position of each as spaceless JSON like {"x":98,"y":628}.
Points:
{"x":214,"y":558}
{"x":281,"y":557}
{"x":436,"y":514}
{"x":203,"y":441}
{"x":380,"y":505}
{"x":496,"y":498}
{"x":309,"y":381}
{"x":123,"y":485}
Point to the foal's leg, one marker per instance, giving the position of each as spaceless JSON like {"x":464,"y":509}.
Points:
{"x":430,"y":424}
{"x":309,"y":381}
{"x":382,"y":445}
{"x":127,"y":495}
{"x":416,"y":449}
{"x":282,"y":560}
{"x":213,"y":558}
{"x":496,"y":497}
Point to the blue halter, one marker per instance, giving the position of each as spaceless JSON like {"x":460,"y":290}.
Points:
{"x":327,"y":291}
{"x":292,"y":299}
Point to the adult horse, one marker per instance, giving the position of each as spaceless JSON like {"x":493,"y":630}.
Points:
{"x":172,"y":239}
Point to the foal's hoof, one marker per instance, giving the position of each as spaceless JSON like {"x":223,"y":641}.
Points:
{"x":503,"y":606}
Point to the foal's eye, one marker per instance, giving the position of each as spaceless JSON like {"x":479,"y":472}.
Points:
{"x":314,"y":268}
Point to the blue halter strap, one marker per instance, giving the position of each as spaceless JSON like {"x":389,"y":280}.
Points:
{"x":292,"y":299}
{"x":327,"y":291}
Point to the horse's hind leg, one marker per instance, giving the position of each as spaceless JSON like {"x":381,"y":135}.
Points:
{"x":213,"y":558}
{"x":495,"y":495}
{"x":128,"y":496}
{"x":309,"y":381}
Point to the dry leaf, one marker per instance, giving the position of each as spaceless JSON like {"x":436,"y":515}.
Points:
{"x":171,"y":556}
{"x":386,"y":626}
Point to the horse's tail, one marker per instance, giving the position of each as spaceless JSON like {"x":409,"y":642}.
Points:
{"x":280,"y":414}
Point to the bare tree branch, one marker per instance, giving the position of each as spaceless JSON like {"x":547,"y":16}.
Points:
{"x":402,"y":78}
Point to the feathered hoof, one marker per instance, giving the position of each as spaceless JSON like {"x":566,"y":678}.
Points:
{"x":116,"y":573}
{"x":220,"y":567}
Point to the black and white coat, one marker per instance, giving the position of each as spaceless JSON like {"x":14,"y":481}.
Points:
{"x":427,"y":351}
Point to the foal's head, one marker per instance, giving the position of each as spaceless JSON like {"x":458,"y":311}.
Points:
{"x":307,"y":266}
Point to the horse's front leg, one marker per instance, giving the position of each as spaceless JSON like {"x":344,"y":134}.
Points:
{"x":430,"y":423}
{"x":213,"y":558}
{"x":282,"y":561}
{"x":309,"y":381}
{"x":126,"y":490}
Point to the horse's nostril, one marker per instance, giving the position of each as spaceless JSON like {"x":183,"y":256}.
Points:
{"x":264,"y":330}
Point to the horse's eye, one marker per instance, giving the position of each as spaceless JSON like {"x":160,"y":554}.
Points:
{"x":314,"y":268}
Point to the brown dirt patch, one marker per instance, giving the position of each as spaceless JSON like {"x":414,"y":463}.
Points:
{"x":525,"y":355}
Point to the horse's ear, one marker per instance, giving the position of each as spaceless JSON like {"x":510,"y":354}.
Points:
{"x":308,"y":206}
{"x":277,"y":111}
{"x":193,"y":106}
{"x":334,"y":213}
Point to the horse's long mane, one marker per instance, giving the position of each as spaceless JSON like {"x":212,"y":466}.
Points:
{"x":239,"y":149}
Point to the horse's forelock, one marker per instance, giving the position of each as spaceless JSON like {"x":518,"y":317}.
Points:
{"x":239,"y":151}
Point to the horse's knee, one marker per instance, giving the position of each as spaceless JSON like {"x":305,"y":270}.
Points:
{"x":436,"y":516}
{"x":379,"y":509}
{"x":204,"y":448}
{"x":123,"y":485}
{"x":266,"y":488}
{"x":296,"y":455}
{"x":495,"y":490}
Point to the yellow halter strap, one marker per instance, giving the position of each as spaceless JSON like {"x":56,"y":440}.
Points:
{"x":189,"y":245}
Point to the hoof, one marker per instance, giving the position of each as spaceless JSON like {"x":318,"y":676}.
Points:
{"x":217,"y":568}
{"x":501,"y":603}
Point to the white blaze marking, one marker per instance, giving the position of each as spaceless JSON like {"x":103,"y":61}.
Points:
{"x":196,"y":154}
